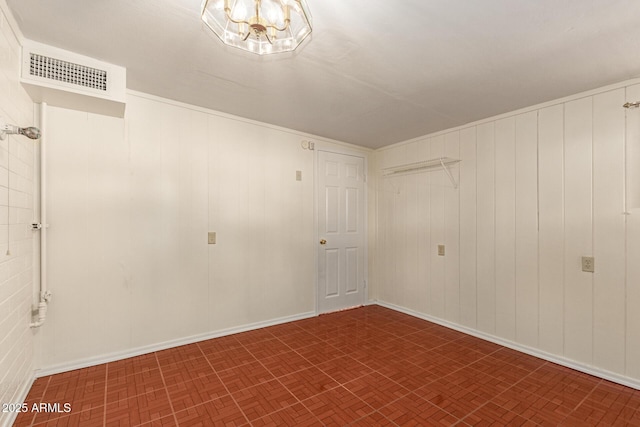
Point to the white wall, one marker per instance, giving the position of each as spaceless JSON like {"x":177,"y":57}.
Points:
{"x":16,"y":200}
{"x":130,"y":203}
{"x":539,"y":188}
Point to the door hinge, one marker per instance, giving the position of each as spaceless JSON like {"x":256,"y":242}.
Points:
{"x":364,"y":284}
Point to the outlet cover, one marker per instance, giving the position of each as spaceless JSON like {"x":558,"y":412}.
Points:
{"x":212,"y":237}
{"x":440,"y":250}
{"x":588,"y":264}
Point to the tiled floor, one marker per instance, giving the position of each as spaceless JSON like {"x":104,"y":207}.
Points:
{"x":363,"y":367}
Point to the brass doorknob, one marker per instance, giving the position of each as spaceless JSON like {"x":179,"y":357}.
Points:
{"x":323,"y":242}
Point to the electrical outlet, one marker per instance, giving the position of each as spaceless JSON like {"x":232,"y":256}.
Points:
{"x":588,"y":264}
{"x":212,"y":237}
{"x":440,"y":250}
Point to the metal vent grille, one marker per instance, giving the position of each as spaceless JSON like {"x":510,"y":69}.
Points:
{"x":68,"y":72}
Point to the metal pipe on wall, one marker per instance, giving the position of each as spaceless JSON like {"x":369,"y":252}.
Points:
{"x":45,"y":294}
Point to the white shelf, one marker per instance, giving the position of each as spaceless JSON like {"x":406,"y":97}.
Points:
{"x":425,"y":166}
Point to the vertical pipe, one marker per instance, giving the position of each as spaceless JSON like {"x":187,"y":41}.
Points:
{"x":43,"y":201}
{"x":35,"y":292}
{"x":44,"y":295}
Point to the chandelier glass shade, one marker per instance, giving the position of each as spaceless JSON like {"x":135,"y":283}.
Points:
{"x":259,"y":26}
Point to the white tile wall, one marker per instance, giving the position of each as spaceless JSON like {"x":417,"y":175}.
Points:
{"x":16,"y":212}
{"x":538,"y":190}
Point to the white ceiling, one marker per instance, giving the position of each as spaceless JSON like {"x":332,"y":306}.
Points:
{"x":373,"y":73}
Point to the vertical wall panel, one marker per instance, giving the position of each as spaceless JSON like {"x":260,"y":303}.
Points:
{"x":215,"y":172}
{"x":391,"y":187}
{"x":451,"y":232}
{"x":527,"y":228}
{"x":486,"y":228}
{"x":400,"y":234}
{"x":193,"y":217}
{"x":468,"y":228}
{"x":551,"y":234}
{"x":253,"y":203}
{"x":437,"y":231}
{"x":609,"y":231}
{"x":67,"y":179}
{"x":578,"y":230}
{"x":411,"y":260}
{"x":229,"y":304}
{"x":632,"y":152}
{"x":109,"y":174}
{"x":505,"y":227}
{"x":396,"y":237}
{"x":395,"y":249}
{"x":424,"y":234}
{"x":386,"y":196}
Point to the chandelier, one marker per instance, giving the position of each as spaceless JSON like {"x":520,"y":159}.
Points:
{"x":259,"y":26}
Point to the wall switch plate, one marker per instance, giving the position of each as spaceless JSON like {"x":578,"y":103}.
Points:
{"x":440,"y":250}
{"x":588,"y":264}
{"x":212,"y":237}
{"x":298,"y":175}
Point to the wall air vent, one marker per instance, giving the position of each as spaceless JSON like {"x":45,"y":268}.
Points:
{"x":65,"y":79}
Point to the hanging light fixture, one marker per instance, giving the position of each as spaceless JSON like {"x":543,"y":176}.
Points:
{"x":259,"y":26}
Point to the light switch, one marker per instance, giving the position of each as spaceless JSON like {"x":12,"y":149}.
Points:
{"x":212,"y":237}
{"x":440,"y":250}
{"x":298,"y":175}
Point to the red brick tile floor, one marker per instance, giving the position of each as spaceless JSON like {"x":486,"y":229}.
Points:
{"x":369,"y":366}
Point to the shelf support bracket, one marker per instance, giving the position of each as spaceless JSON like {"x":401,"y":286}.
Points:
{"x":446,"y":170}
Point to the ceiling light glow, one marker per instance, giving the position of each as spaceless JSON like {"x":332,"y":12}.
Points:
{"x":259,"y":26}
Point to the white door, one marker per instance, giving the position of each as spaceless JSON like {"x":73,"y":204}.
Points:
{"x":341,"y":231}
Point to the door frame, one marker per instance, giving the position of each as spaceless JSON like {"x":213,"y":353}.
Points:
{"x":364,"y":154}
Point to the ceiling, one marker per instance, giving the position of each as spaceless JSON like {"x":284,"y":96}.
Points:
{"x":373,"y":73}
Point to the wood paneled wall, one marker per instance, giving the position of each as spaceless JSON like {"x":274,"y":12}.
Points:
{"x":538,"y":189}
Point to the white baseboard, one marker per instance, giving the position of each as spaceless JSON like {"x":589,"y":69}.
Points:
{"x":601,"y":373}
{"x":112,"y":357}
{"x":78,"y":364}
{"x":21,"y":396}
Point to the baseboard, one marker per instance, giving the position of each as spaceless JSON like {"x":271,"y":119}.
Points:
{"x":610,"y":376}
{"x":112,"y":357}
{"x":21,"y":396}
